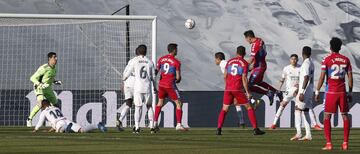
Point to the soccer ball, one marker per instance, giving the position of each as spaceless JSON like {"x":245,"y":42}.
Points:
{"x":189,"y":23}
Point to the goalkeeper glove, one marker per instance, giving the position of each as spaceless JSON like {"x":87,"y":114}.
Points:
{"x":58,"y":82}
{"x":42,"y":85}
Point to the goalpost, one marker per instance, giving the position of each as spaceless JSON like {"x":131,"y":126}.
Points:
{"x":92,"y":54}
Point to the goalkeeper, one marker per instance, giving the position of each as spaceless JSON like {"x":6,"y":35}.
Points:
{"x":43,"y":79}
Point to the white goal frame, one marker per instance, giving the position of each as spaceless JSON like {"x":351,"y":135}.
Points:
{"x":104,"y":17}
{"x":153,"y":20}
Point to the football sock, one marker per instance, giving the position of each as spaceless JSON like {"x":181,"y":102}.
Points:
{"x":33,"y":112}
{"x":327,"y":129}
{"x":259,"y":90}
{"x":278,"y":114}
{"x":137,"y":116}
{"x":298,"y":122}
{"x":346,"y":129}
{"x":221,"y":118}
{"x":178,"y":115}
{"x":239,"y":113}
{"x":90,"y":127}
{"x":267,"y":86}
{"x":306,"y":119}
{"x":124,"y":112}
{"x":312,"y":117}
{"x":157,"y":113}
{"x":151,"y":117}
{"x":252,"y":117}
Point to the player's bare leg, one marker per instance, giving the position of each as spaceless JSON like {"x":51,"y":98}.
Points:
{"x":179,"y":126}
{"x":124,"y":111}
{"x":298,"y":134}
{"x":278,"y":114}
{"x":221,"y":118}
{"x":327,"y":131}
{"x":252,"y":118}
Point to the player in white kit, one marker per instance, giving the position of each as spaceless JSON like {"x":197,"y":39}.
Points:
{"x":144,"y":71}
{"x":60,"y":124}
{"x":291,"y":74}
{"x":128,"y":96}
{"x":220,"y":60}
{"x":305,"y":96}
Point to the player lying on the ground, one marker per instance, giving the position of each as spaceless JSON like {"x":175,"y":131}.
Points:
{"x":304,"y":97}
{"x":236,"y":82}
{"x":59,"y":123}
{"x":291,"y":76}
{"x":335,"y":67}
{"x":258,"y":67}
{"x":144,"y":71}
{"x":43,"y":79}
{"x":169,"y":68}
{"x":220,"y":60}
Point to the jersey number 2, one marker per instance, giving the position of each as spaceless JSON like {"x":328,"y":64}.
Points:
{"x":337,"y":71}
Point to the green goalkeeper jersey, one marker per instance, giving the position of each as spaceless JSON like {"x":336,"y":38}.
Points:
{"x":44,"y":74}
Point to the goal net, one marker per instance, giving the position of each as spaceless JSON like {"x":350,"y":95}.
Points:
{"x":92,"y":54}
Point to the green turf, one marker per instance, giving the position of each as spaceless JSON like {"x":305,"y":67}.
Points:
{"x":197,"y":140}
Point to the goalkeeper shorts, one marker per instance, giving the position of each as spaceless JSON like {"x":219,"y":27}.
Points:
{"x":46,"y":94}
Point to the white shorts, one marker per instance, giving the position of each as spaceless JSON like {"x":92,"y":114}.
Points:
{"x":308,"y":100}
{"x":289,"y":94}
{"x":142,"y":98}
{"x":62,"y":125}
{"x":128,"y":92}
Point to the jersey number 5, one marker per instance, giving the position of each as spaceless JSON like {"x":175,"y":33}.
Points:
{"x":234,"y":69}
{"x":337,"y":71}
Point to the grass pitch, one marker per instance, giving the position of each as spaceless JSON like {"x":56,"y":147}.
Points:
{"x":197,"y":140}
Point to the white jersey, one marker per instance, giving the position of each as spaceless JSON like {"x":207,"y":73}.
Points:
{"x":52,"y":114}
{"x":223,"y":65}
{"x":144,"y":71}
{"x":307,"y":69}
{"x":129,"y":82}
{"x":291,"y":75}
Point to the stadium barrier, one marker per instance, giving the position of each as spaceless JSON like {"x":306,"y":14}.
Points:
{"x":200,"y":109}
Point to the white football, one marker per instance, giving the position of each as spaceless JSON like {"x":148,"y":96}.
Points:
{"x":189,"y":23}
